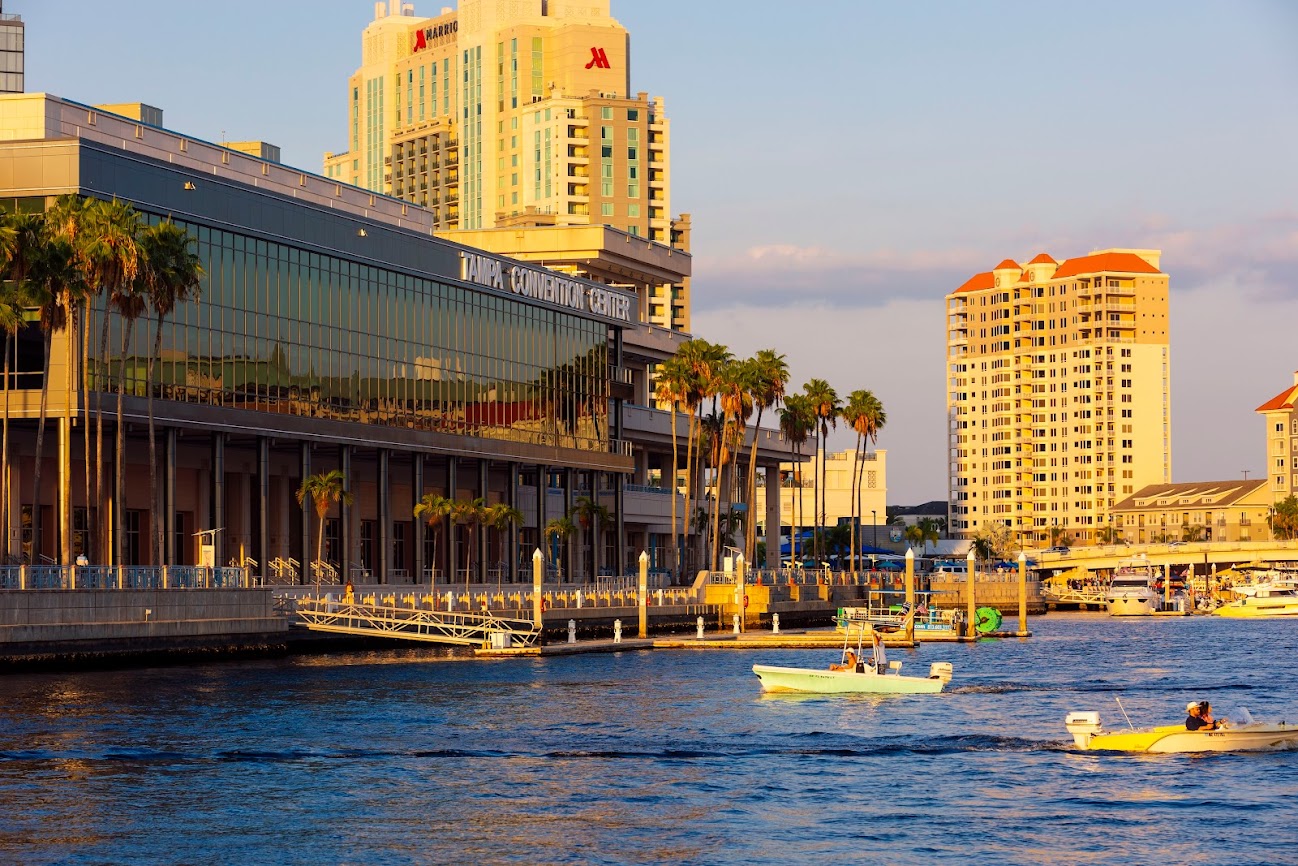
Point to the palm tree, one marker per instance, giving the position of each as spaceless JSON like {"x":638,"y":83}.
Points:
{"x":70,"y":219}
{"x":734,"y":384}
{"x":701,"y":359}
{"x":558,"y":530}
{"x":770,"y":376}
{"x":47,"y":273}
{"x":587,"y":511}
{"x":499,"y":517}
{"x":826,"y":408}
{"x":433,"y":509}
{"x":865,"y":414}
{"x":672,"y":388}
{"x":172,"y":275}
{"x":11,"y":319}
{"x":131,"y":302}
{"x":109,"y":258}
{"x":470,"y":513}
{"x":322,"y":490}
{"x":1283,"y":519}
{"x":796,"y":423}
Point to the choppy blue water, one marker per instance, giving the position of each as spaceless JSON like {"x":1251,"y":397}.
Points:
{"x":653,"y":757}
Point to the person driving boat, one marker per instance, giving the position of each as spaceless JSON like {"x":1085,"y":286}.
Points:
{"x":1199,"y":717}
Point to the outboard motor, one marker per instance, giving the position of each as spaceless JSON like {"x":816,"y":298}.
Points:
{"x":940,"y":671}
{"x":1082,"y":726}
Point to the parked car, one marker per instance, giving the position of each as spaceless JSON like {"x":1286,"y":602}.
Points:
{"x":1060,"y":549}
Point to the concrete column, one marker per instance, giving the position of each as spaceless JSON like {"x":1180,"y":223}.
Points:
{"x":345,"y":516}
{"x":773,"y":512}
{"x":218,"y":498}
{"x":643,"y":597}
{"x":1023,"y":594}
{"x":170,"y":445}
{"x":511,"y":535}
{"x":480,"y":555}
{"x":542,"y":500}
{"x":65,"y":490}
{"x":452,"y":492}
{"x":384,"y":518}
{"x":263,"y":505}
{"x":304,"y":573}
{"x":910,"y":595}
{"x":417,"y":494}
{"x":619,"y":503}
{"x":971,"y":572}
{"x":567,"y":510}
{"x":538,"y":579}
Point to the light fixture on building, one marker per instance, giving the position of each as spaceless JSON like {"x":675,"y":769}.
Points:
{"x":360,"y":233}
{"x":189,"y":184}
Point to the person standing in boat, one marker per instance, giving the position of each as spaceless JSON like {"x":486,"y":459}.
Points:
{"x":1200,"y":717}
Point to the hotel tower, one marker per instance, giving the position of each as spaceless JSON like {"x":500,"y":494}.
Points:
{"x":1057,"y":401}
{"x":518,"y":115}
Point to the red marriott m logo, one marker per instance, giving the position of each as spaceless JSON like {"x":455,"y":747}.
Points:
{"x":598,"y":59}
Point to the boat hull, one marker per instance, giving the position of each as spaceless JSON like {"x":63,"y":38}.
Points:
{"x":824,"y":682}
{"x":1256,"y":608}
{"x":1175,"y":739}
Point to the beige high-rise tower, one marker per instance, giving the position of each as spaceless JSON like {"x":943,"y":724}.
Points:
{"x":1058,"y":400}
{"x":513,"y":113}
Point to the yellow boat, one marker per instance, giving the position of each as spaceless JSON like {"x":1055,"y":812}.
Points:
{"x":1089,"y":734}
{"x":1263,"y":600}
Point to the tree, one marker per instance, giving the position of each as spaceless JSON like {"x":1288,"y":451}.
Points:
{"x":172,"y":274}
{"x":108,"y":257}
{"x":469,"y":513}
{"x":770,"y":377}
{"x":11,"y":319}
{"x":1283,"y":519}
{"x":322,"y":490}
{"x":71,"y":220}
{"x":433,"y":509}
{"x":589,"y":514}
{"x":500,"y":517}
{"x":1192,"y":533}
{"x":131,"y":302}
{"x":796,"y":423}
{"x":826,"y":409}
{"x":557,"y":532}
{"x":734,"y":384}
{"x":672,"y":388}
{"x":1059,"y":537}
{"x":701,"y":359}
{"x":864,"y":414}
{"x":994,"y":541}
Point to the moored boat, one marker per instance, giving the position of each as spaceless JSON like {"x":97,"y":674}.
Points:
{"x":1278,"y":598}
{"x":1131,"y":592}
{"x":1088,"y":734}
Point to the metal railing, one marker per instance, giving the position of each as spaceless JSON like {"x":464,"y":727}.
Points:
{"x":119,"y":577}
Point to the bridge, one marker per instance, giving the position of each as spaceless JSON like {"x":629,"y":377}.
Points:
{"x":1203,"y":555}
{"x":326,"y":614}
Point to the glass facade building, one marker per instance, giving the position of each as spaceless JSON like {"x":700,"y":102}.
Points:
{"x":277,"y":328}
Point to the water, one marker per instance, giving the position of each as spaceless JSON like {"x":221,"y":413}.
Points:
{"x":416,"y":756}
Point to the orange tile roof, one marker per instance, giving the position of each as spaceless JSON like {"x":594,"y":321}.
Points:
{"x":1008,"y":263}
{"x":1283,"y":400}
{"x":977,"y":283}
{"x":1043,"y":259}
{"x":1127,"y":263}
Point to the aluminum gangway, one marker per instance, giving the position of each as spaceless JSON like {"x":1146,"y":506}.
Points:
{"x":411,"y":623}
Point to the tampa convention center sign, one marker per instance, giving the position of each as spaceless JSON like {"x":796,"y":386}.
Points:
{"x":545,"y":286}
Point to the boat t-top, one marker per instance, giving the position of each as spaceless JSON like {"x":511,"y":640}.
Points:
{"x":855,"y":674}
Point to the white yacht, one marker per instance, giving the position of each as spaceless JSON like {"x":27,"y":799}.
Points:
{"x":1131,"y":592}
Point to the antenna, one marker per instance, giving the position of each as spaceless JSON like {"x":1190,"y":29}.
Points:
{"x":1124,"y":712}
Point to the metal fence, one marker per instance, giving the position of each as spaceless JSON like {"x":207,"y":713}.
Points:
{"x":116,"y":577}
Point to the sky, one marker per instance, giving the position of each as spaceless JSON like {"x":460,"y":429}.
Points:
{"x":847,"y":163}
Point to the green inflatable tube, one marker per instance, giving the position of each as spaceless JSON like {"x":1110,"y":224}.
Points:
{"x":989,"y":619}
